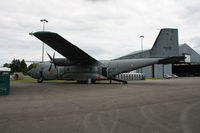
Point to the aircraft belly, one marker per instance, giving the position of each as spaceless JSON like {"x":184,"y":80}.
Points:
{"x":79,"y":76}
{"x":49,"y":75}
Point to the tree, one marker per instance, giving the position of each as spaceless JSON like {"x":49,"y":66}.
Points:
{"x":6,"y":65}
{"x":15,"y":65}
{"x":18,"y":66}
{"x":23,"y":66}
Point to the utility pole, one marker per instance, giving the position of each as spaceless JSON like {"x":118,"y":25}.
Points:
{"x":43,"y":21}
{"x":142,"y":37}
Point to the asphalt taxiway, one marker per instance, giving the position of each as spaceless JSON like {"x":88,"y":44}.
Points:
{"x":149,"y":106}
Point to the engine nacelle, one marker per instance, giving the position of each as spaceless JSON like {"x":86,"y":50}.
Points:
{"x":62,"y":62}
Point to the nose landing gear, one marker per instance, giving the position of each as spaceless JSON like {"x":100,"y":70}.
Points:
{"x":40,"y":79}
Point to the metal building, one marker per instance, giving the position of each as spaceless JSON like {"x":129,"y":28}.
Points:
{"x":191,"y":65}
{"x":191,"y":55}
{"x":162,"y":70}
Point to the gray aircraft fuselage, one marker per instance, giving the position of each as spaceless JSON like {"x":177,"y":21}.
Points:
{"x":96,"y":71}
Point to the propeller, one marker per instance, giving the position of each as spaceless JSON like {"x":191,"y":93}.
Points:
{"x":52,"y":60}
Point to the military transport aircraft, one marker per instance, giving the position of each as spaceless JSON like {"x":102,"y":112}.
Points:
{"x":78,"y":65}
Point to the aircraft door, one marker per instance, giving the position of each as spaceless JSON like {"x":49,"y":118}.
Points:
{"x":61,"y":71}
{"x":104,"y":71}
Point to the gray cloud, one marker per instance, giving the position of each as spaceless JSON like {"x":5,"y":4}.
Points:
{"x":97,"y":0}
{"x":195,"y":43}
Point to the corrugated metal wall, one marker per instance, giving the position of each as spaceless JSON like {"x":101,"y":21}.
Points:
{"x":168,"y":69}
{"x":156,"y":71}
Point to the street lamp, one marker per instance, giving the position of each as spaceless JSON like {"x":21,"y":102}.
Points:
{"x":43,"y":21}
{"x":142,"y":37}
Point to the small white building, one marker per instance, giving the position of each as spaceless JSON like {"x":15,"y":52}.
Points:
{"x":5,"y":69}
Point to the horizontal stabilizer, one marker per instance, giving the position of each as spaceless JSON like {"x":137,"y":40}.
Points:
{"x":172,"y":60}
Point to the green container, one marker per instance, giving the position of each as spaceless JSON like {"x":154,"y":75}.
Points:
{"x":4,"y":82}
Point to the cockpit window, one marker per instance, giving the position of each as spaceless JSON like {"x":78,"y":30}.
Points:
{"x":33,"y":65}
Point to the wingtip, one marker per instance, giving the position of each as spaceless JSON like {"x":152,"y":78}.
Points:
{"x":42,"y":33}
{"x":31,"y":33}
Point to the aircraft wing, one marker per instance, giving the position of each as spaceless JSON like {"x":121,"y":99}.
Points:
{"x":64,"y":47}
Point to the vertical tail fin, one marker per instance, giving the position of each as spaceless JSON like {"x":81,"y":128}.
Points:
{"x":166,"y":44}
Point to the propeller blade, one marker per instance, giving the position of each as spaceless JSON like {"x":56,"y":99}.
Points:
{"x":49,"y":56}
{"x":52,"y":61}
{"x":50,"y":67}
{"x":54,"y":55}
{"x":54,"y":66}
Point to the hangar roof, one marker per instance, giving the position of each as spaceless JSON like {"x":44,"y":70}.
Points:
{"x":184,"y":49}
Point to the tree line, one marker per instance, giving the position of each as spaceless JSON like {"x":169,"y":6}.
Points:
{"x":19,"y":66}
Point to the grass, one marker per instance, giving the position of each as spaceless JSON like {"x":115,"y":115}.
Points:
{"x":25,"y":79}
{"x":30,"y":79}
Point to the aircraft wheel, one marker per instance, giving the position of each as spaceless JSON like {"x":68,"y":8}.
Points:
{"x":82,"y":81}
{"x":40,"y":80}
{"x":93,"y":81}
{"x":125,"y":82}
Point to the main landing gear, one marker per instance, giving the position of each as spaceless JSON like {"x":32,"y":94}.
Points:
{"x":122,"y":81}
{"x":89,"y":81}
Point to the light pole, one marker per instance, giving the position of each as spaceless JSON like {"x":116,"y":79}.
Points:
{"x":43,"y":21}
{"x":142,"y":37}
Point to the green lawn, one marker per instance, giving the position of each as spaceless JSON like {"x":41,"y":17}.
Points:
{"x":26,"y":79}
{"x":30,"y":79}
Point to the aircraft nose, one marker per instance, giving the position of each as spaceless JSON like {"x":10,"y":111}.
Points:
{"x":30,"y":72}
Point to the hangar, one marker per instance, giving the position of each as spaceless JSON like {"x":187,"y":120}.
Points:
{"x":189,"y":67}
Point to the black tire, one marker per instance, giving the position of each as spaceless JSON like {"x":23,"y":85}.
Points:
{"x":125,"y":82}
{"x":82,"y":81}
{"x":93,"y":81}
{"x":40,"y":79}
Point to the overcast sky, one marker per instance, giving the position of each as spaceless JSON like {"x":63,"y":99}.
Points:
{"x":105,"y":29}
